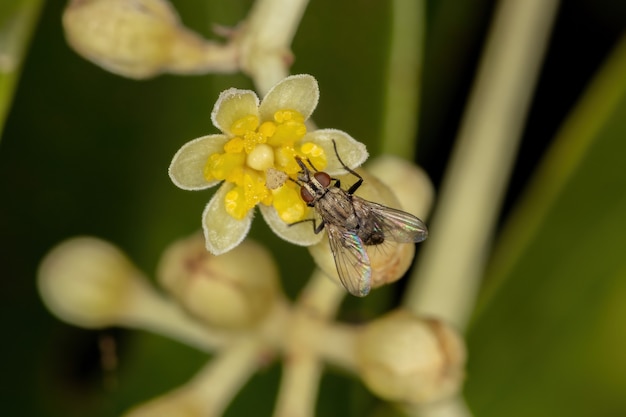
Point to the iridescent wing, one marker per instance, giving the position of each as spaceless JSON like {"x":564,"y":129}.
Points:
{"x":351,"y":260}
{"x":395,"y":225}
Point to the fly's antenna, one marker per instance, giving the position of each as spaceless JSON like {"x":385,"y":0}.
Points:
{"x":305,"y":174}
{"x":301,"y":161}
{"x":302,"y":165}
{"x":312,"y":166}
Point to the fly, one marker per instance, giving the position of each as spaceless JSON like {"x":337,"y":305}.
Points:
{"x":352,"y":223}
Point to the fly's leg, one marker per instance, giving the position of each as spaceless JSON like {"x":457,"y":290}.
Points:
{"x":316,"y":228}
{"x":357,"y":184}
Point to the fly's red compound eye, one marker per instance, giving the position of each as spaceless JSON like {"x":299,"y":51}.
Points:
{"x":323,"y":178}
{"x":306,"y":195}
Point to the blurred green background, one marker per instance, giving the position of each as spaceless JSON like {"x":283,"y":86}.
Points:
{"x":86,"y":152}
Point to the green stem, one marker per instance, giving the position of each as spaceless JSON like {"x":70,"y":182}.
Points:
{"x":17,"y":25}
{"x":399,"y":124}
{"x":452,"y":260}
{"x":266,"y":40}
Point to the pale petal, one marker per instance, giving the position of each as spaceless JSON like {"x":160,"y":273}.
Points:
{"x":187,"y":167}
{"x":232,"y":105}
{"x":352,"y":152}
{"x":223,"y":232}
{"x":297,"y":92}
{"x":299,"y":234}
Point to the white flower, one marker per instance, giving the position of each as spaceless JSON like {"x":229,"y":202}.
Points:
{"x":257,"y":140}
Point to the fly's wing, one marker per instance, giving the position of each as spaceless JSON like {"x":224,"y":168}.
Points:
{"x":396,"y":225}
{"x":351,"y":260}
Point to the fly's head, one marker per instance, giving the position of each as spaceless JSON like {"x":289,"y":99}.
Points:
{"x":312,"y":186}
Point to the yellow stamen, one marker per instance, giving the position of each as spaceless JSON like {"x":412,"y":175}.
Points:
{"x":311,"y":149}
{"x":288,"y":204}
{"x":287,"y":133}
{"x":282,"y":116}
{"x":289,"y":128}
{"x":268,"y":200}
{"x":235,"y":205}
{"x":315,"y":154}
{"x":285,"y":160}
{"x":267,"y":129}
{"x":254,"y":188}
{"x":245,"y":124}
{"x":223,"y":166}
{"x":252,"y":139}
{"x":235,"y":145}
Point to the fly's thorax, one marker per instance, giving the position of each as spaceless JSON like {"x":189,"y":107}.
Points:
{"x":335,"y":207}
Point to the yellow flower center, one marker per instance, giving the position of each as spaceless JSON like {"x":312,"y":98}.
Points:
{"x":261,"y":157}
{"x":254,"y":149}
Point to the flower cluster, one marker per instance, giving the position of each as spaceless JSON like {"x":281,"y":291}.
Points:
{"x":237,"y":312}
{"x":254,"y":157}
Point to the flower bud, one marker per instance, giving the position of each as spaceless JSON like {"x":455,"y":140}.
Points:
{"x":410,"y":184}
{"x":140,"y":39}
{"x":233,"y":290}
{"x":87,"y":282}
{"x":390,"y":260}
{"x":405,"y":358}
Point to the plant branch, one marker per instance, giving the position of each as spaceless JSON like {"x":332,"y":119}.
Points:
{"x":452,"y":260}
{"x":399,"y":124}
{"x":302,"y":365}
{"x":266,"y":38}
